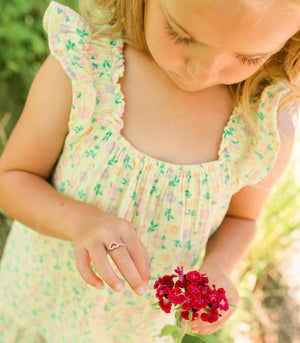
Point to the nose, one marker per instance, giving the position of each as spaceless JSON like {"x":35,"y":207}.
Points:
{"x":205,"y":69}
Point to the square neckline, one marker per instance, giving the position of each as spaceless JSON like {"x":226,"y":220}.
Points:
{"x":118,"y":72}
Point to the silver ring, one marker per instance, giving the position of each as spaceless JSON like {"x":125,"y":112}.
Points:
{"x":114,"y":245}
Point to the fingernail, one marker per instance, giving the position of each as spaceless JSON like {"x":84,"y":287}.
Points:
{"x":99,"y":285}
{"x":119,"y":287}
{"x":141,"y":290}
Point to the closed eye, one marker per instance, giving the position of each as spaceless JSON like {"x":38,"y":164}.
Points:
{"x":251,"y":61}
{"x":177,"y":38}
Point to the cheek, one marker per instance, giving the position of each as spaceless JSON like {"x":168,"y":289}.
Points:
{"x":165,"y":53}
{"x":237,"y":73}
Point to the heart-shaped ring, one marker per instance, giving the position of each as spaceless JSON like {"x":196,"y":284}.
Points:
{"x":114,"y":245}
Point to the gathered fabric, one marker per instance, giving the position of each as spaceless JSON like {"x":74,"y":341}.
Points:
{"x":174,"y":208}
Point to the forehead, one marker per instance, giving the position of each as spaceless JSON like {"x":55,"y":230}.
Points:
{"x":265,"y":24}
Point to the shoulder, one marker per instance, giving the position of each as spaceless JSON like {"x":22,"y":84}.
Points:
{"x":39,"y":135}
{"x":286,"y":127}
{"x":248,"y":202}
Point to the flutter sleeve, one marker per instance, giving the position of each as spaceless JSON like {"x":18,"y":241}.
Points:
{"x":69,"y":42}
{"x":250,"y":165}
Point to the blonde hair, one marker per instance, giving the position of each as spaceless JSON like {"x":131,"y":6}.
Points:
{"x":124,"y":19}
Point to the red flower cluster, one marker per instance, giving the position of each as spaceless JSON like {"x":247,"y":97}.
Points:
{"x":193,"y":293}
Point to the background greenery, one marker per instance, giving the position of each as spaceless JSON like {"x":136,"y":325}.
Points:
{"x":23,"y":47}
{"x":269,"y":312}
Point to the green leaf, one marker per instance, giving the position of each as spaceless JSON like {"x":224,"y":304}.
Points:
{"x":178,"y":318}
{"x":175,"y":331}
{"x":196,"y":338}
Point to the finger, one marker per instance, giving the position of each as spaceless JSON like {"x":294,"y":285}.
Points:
{"x":147,"y":259}
{"x":83,"y":263}
{"x":136,"y":251}
{"x":198,"y":326}
{"x":206,"y":329}
{"x":127,"y":268}
{"x":104,"y":268}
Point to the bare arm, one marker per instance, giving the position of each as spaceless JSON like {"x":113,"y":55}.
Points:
{"x":233,"y":238}
{"x":227,"y":246}
{"x":25,"y":194}
{"x":32,"y":151}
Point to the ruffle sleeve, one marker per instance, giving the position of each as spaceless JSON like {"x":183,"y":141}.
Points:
{"x":247,"y":164}
{"x":69,"y":42}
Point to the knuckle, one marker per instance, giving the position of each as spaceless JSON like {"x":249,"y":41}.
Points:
{"x":122,"y":260}
{"x":137,"y":255}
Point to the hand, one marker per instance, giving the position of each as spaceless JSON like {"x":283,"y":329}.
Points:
{"x":218,"y":277}
{"x":91,"y":245}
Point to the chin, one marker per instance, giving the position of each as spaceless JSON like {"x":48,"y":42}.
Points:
{"x":193,"y":87}
{"x":190,"y":86}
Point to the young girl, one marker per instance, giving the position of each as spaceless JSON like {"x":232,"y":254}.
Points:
{"x":153,"y":131}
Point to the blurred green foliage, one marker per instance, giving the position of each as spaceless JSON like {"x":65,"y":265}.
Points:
{"x":23,"y":47}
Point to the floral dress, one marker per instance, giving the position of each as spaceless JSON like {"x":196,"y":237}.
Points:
{"x":174,"y":208}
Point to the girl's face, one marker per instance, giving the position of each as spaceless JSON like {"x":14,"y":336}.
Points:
{"x":204,"y":43}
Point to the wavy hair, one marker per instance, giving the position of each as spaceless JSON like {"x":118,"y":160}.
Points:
{"x":124,"y":19}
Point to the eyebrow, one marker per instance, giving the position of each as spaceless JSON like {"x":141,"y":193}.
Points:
{"x":195,"y":41}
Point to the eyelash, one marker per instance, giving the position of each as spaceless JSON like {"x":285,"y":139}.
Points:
{"x":251,"y":62}
{"x":176,"y":37}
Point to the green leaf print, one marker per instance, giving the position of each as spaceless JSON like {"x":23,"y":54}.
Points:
{"x":81,"y":194}
{"x":188,"y":175}
{"x":90,"y":153}
{"x":70,"y":45}
{"x":127,"y":162}
{"x":107,"y":136}
{"x":97,"y":189}
{"x":189,"y":245}
{"x":206,"y":196}
{"x":191,"y":213}
{"x":177,"y":243}
{"x":152,"y":227}
{"x":82,"y":33}
{"x":133,"y":196}
{"x":59,"y":10}
{"x":125,"y":182}
{"x":112,"y":160}
{"x":106,"y":64}
{"x":162,"y":169}
{"x":259,"y":155}
{"x":118,"y":99}
{"x":174,"y":182}
{"x":188,"y":194}
{"x":204,"y":181}
{"x":77,"y":129}
{"x":154,"y":188}
{"x":261,"y":116}
{"x":168,"y":214}
{"x":228,"y":132}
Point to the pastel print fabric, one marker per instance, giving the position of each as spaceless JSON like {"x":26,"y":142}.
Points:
{"x":173,"y":208}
